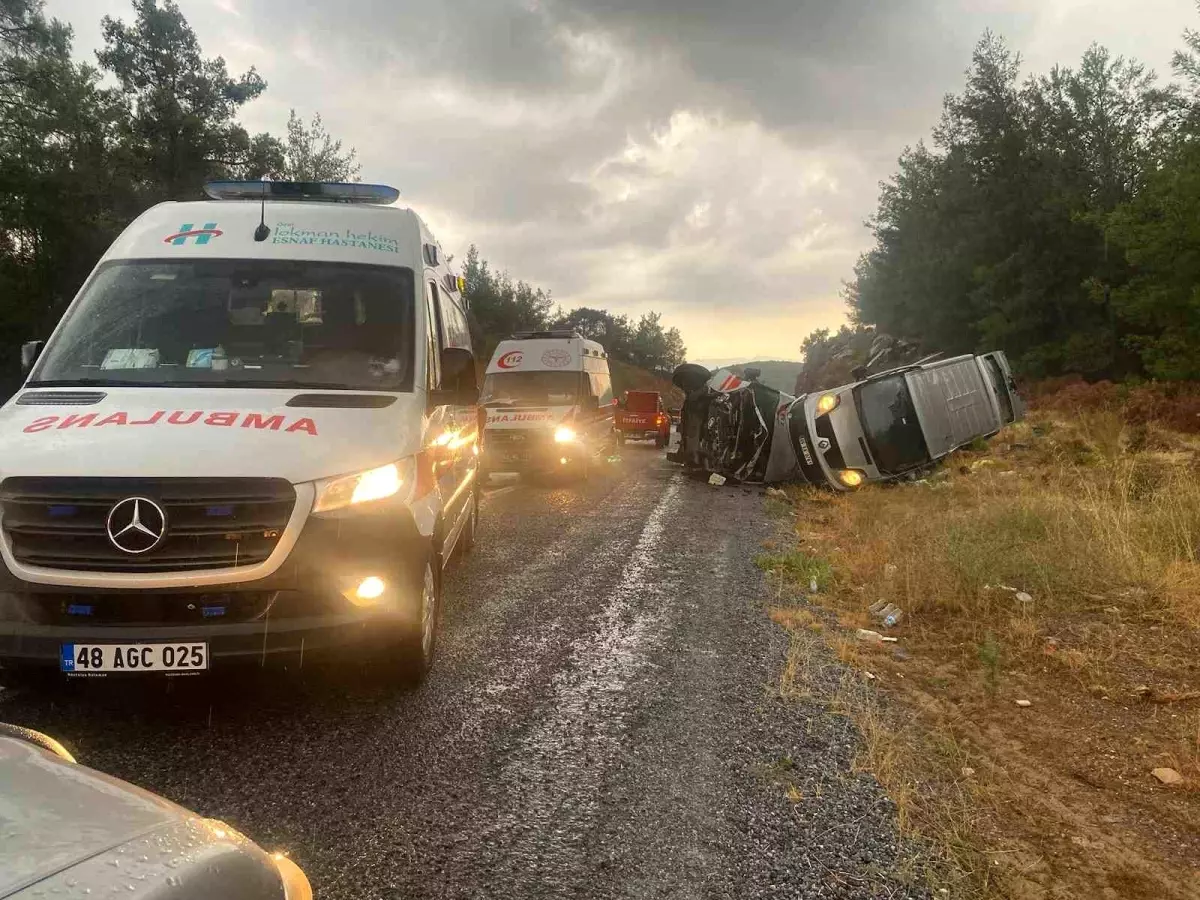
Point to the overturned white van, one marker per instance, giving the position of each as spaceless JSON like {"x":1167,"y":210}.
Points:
{"x":253,"y":435}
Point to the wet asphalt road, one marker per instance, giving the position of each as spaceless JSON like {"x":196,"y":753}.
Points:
{"x":603,"y":721}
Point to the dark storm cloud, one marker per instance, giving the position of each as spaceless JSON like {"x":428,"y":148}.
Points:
{"x":797,"y":63}
{"x":711,"y":159}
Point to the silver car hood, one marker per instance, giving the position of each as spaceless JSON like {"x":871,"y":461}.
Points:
{"x":65,"y":828}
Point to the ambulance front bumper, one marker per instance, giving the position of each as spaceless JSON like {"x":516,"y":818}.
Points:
{"x":528,"y":451}
{"x":309,"y":604}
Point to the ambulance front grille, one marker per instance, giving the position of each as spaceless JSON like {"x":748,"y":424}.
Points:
{"x":211,"y":523}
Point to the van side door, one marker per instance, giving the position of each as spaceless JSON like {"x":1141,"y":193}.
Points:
{"x":453,"y":430}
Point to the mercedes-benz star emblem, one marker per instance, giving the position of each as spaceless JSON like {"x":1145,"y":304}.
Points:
{"x":136,"y":525}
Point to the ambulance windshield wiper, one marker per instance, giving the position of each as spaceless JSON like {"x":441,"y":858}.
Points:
{"x":286,"y":385}
{"x":94,"y":382}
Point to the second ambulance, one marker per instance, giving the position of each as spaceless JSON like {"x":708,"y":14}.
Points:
{"x":549,"y":402}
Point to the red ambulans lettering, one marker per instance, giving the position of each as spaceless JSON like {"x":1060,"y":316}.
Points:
{"x":306,"y":425}
{"x":40,"y":424}
{"x":77,"y":421}
{"x":519,"y":417}
{"x":178,"y":417}
{"x":254,"y":420}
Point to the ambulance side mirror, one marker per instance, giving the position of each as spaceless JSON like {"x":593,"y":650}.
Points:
{"x":590,"y":401}
{"x":30,"y":353}
{"x":460,"y":386}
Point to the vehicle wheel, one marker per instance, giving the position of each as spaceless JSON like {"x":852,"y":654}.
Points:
{"x":660,"y":442}
{"x":466,"y":540}
{"x":418,"y":641}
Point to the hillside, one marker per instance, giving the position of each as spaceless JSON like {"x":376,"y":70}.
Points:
{"x":628,"y":377}
{"x":777,"y":373}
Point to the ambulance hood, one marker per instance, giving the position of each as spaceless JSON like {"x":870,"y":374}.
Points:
{"x":224,"y":432}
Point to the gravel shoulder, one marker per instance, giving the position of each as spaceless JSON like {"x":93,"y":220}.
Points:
{"x":605,"y":720}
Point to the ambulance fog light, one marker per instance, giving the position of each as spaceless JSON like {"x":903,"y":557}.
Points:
{"x":851,"y":478}
{"x":563,"y":461}
{"x":365,"y":592}
{"x":564,"y":435}
{"x":370,"y":588}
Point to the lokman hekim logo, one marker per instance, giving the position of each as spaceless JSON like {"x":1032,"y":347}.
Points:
{"x":189,"y":231}
{"x":136,"y":525}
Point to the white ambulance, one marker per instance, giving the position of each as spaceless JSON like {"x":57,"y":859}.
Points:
{"x":254,"y":434}
{"x":549,"y":402}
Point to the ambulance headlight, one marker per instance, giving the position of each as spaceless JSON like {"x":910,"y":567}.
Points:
{"x":827,"y":403}
{"x":374,"y":484}
{"x":564,"y":435}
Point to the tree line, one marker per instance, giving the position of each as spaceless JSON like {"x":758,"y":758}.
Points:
{"x":500,"y":307}
{"x":1056,"y":217}
{"x":86,"y":148}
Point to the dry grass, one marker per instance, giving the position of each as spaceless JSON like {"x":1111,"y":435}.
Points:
{"x":1074,"y":522}
{"x":1098,"y":521}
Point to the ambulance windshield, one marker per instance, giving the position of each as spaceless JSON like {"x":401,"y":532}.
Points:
{"x":532,"y":388}
{"x":238,"y":323}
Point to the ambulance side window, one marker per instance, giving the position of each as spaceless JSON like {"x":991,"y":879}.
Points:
{"x":433,"y":337}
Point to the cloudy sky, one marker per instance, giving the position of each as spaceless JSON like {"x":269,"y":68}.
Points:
{"x":713,"y":160}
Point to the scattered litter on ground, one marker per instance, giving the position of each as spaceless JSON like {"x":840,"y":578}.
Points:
{"x":1024,"y":703}
{"x":968,"y":772}
{"x":1145,"y":692}
{"x":874,"y":637}
{"x":812,"y":585}
{"x":1023,"y":597}
{"x":716,"y":480}
{"x":900,"y":654}
{"x":887,"y":613}
{"x":778,"y":494}
{"x":1167,"y":776}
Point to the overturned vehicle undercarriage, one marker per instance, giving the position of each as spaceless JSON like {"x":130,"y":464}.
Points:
{"x":882,"y":427}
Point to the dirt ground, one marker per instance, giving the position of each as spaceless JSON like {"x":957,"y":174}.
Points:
{"x":1053,"y":797}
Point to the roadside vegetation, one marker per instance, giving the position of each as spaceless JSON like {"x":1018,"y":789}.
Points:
{"x":1047,"y":662}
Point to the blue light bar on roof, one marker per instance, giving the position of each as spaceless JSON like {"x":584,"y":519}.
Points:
{"x":379,"y":194}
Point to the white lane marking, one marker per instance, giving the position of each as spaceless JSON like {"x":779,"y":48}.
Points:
{"x":530,"y":642}
{"x":562,"y":762}
{"x":496,"y":492}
